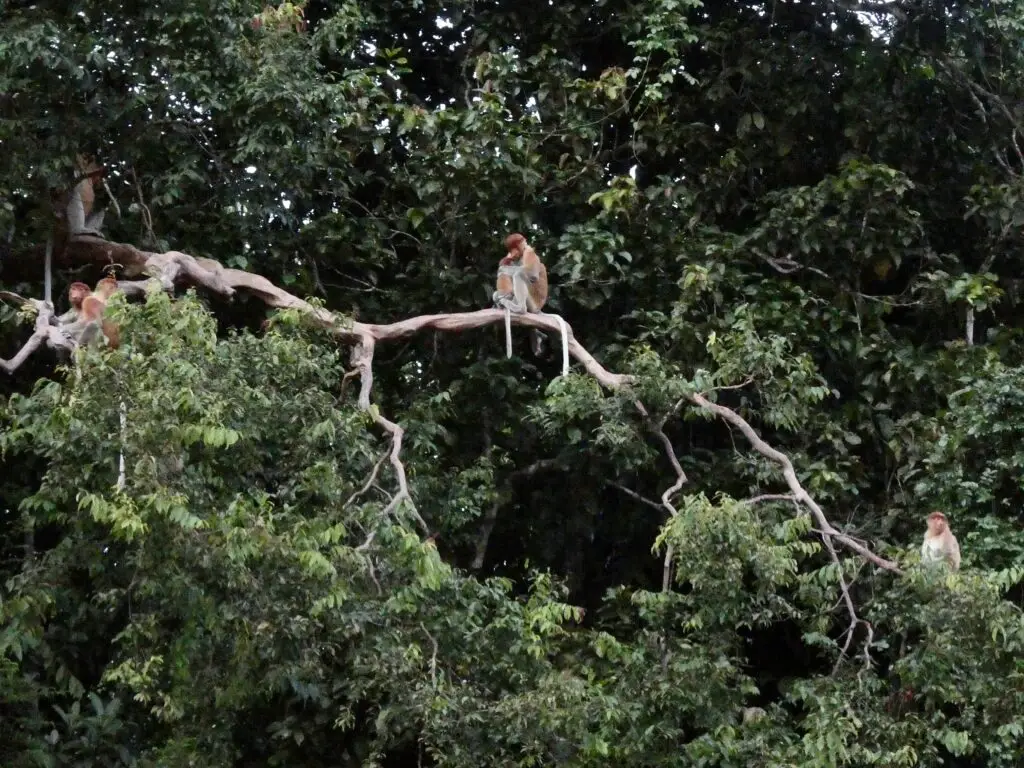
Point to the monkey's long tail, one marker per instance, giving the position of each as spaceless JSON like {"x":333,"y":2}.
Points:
{"x":508,"y":333}
{"x":48,"y":271}
{"x":565,"y":345}
{"x":122,"y":476}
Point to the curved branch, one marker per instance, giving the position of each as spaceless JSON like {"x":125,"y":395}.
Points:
{"x":176,"y":268}
{"x":672,"y":490}
{"x":789,"y":473}
{"x":362,"y":360}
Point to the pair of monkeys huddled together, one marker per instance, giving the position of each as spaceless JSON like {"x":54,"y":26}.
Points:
{"x":85,"y":321}
{"x":522,"y":286}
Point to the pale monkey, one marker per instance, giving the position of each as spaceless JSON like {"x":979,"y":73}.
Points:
{"x":940,"y":545}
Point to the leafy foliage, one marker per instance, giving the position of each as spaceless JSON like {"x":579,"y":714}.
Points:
{"x":810,"y":213}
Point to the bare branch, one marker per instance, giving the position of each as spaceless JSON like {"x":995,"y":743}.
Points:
{"x":33,"y":343}
{"x":768,"y":497}
{"x":793,"y":482}
{"x":656,"y":428}
{"x":44,"y":332}
{"x":176,"y":268}
{"x":634,"y":495}
{"x":369,"y":482}
{"x":977,"y":92}
{"x":666,"y":496}
{"x":362,"y":359}
{"x":433,"y":656}
{"x":847,"y":600}
{"x":21,"y":301}
{"x":787,"y":265}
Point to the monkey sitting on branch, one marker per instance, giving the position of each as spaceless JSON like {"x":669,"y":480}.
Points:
{"x":75,"y":206}
{"x":85,"y":321}
{"x":522,"y":286}
{"x":76,"y":295}
{"x":940,"y":545}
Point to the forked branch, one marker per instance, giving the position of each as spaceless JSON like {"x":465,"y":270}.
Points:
{"x":798,"y":491}
{"x":44,"y":331}
{"x":175,"y":268}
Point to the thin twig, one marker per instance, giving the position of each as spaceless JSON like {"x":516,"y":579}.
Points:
{"x":44,"y":332}
{"x":147,"y":217}
{"x":768,"y":497}
{"x":666,"y":496}
{"x":362,"y":358}
{"x":433,"y":657}
{"x":634,"y":495}
{"x":369,"y":540}
{"x":369,"y":482}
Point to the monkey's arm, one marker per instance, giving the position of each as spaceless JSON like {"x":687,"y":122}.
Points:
{"x":82,"y":331}
{"x":504,"y":287}
{"x":521,"y":289}
{"x":531,"y":265}
{"x":954,"y":552}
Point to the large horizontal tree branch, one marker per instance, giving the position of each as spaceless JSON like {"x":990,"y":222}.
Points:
{"x":175,"y":268}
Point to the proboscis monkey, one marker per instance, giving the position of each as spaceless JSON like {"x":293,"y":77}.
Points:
{"x":91,"y":322}
{"x":940,"y":545}
{"x":530,"y":291}
{"x":78,"y":207}
{"x":76,"y":294}
{"x":530,"y":281}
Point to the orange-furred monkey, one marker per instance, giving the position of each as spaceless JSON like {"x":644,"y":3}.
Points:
{"x":90,"y":320}
{"x":530,"y":282}
{"x":939,"y":542}
{"x":530,"y":291}
{"x":503,"y":287}
{"x":76,"y":293}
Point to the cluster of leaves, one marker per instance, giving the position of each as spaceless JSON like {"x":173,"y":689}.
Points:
{"x":801,"y":208}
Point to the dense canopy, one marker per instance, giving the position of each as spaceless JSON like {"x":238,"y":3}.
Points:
{"x":307,"y":513}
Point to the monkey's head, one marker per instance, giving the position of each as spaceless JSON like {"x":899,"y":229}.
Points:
{"x":105,"y":288}
{"x":515,"y":243}
{"x":90,"y":168}
{"x":936,"y":523}
{"x":77,"y":292}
